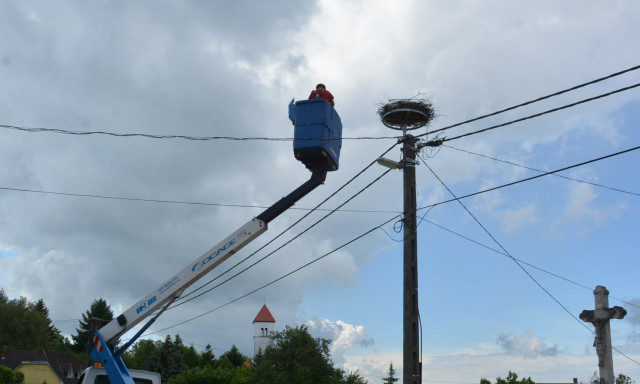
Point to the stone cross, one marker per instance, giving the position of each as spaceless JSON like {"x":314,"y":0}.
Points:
{"x":600,"y":319}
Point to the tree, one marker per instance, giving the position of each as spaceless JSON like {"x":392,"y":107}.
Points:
{"x":512,"y":378}
{"x":22,"y":326}
{"x":243,"y":374}
{"x":203,"y":375}
{"x":621,"y":379}
{"x":234,"y":356}
{"x":296,"y":357}
{"x":229,"y":369}
{"x":355,"y":378}
{"x":56,"y":339}
{"x":167,"y":360}
{"x":8,"y":376}
{"x":191,"y":358}
{"x":624,"y":379}
{"x":97,"y":315}
{"x":391,"y":376}
{"x":26,"y":325}
{"x":140,"y":355}
{"x":207,"y":356}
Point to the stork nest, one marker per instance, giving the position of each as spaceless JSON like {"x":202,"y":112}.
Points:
{"x":407,"y":113}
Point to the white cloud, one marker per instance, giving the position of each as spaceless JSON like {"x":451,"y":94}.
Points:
{"x":528,"y":345}
{"x":584,"y":210}
{"x":633,"y":316}
{"x":470,"y":364}
{"x":227,"y":69}
{"x":634,"y":311}
{"x":344,"y":336}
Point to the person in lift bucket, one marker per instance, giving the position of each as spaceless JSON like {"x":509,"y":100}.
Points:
{"x":321,"y":92}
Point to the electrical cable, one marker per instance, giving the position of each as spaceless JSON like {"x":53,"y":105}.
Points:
{"x":380,"y":226}
{"x":289,"y":228}
{"x":125,"y":198}
{"x":567,"y":106}
{"x":498,"y":243}
{"x":184,"y":137}
{"x":491,"y":189}
{"x":537,"y":170}
{"x":278,"y":279}
{"x":515,"y":260}
{"x":296,"y":270}
{"x":513,"y":183}
{"x":537,"y":114}
{"x":107,"y":197}
{"x":210,"y":289}
{"x":526,"y":263}
{"x":534,"y":177}
{"x":536,"y":100}
{"x":439,"y":141}
{"x":276,"y":250}
{"x":208,"y":138}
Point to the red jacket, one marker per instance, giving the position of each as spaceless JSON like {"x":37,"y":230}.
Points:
{"x":324,"y":94}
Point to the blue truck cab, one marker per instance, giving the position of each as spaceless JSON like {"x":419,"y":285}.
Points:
{"x":317,"y":134}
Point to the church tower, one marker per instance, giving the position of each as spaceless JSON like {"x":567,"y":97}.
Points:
{"x":263,"y":326}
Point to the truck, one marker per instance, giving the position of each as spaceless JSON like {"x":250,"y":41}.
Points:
{"x":98,"y":375}
{"x":317,"y":143}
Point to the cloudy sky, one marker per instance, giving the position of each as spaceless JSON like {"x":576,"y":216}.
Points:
{"x":111,"y":216}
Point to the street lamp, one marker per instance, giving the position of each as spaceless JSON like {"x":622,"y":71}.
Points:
{"x":389,"y":163}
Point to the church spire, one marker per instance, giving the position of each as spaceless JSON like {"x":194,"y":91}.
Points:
{"x":264,"y":316}
{"x":263,"y":326}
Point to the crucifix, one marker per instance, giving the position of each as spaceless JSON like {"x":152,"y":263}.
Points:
{"x":600,"y":319}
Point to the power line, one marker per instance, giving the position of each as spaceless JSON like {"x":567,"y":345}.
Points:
{"x":537,"y":114}
{"x":107,"y":197}
{"x":537,"y":100}
{"x":292,"y":225}
{"x":65,"y":321}
{"x":437,"y":142}
{"x":500,"y":245}
{"x":182,"y":299}
{"x":524,"y":262}
{"x":516,"y":261}
{"x":231,"y":138}
{"x":277,"y":139}
{"x":540,"y":171}
{"x":276,"y":280}
{"x":534,"y":177}
{"x":307,"y":229}
{"x":183,"y":137}
{"x":380,"y":226}
{"x":276,"y":250}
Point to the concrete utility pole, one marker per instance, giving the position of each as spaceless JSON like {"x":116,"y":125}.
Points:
{"x":407,"y":115}
{"x":412,"y":367}
{"x":600,"y":320}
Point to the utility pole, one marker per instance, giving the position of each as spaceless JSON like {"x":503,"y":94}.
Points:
{"x":407,"y":115}
{"x":411,"y":335}
{"x":600,"y":320}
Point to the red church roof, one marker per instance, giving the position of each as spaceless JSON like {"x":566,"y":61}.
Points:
{"x":264,"y":316}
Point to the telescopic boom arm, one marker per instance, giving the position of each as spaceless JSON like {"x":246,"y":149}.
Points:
{"x":104,"y":350}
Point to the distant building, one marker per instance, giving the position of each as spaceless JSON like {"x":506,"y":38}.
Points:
{"x":263,"y":326}
{"x":43,"y":366}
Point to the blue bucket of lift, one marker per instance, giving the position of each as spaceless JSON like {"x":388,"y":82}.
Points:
{"x":317,"y":134}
